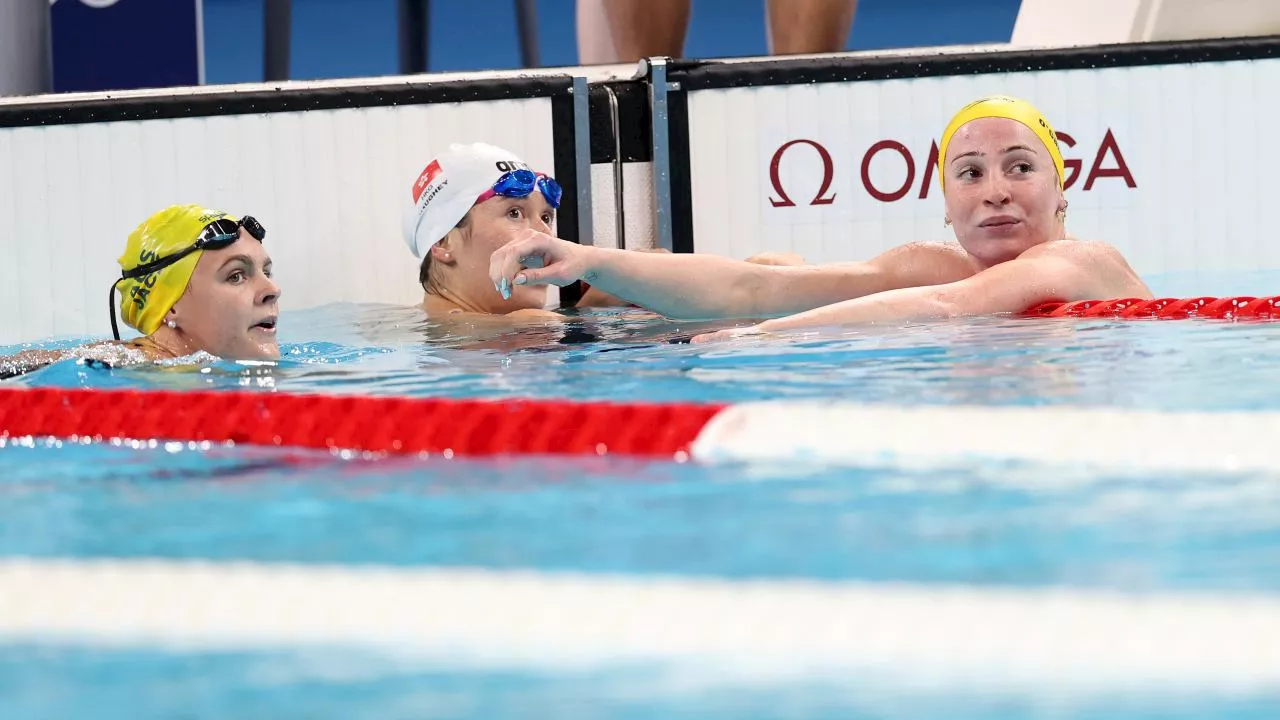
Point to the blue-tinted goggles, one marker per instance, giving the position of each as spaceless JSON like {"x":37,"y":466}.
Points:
{"x":520,"y":183}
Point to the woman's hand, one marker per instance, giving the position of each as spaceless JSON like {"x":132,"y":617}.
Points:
{"x":535,"y":258}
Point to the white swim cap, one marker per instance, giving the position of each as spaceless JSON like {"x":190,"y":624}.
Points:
{"x":446,"y":189}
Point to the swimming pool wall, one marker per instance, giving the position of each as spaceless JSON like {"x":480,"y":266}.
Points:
{"x":1167,"y":148}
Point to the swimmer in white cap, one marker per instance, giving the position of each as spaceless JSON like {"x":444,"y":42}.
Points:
{"x":465,"y":203}
{"x":468,"y":202}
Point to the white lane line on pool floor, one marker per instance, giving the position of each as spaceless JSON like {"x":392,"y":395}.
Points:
{"x":841,"y":433}
{"x":948,"y":634}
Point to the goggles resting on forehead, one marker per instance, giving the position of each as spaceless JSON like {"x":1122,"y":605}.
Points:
{"x":520,"y":183}
{"x":215,"y":236}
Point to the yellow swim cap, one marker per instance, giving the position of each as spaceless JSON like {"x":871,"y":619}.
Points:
{"x":1003,"y":107}
{"x":145,"y":300}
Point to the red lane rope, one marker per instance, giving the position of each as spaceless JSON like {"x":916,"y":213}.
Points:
{"x":1227,"y":308}
{"x":374,"y":424}
{"x":451,"y":427}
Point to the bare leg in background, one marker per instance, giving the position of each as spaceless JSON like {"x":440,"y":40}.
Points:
{"x":612,"y":31}
{"x":595,"y":43}
{"x":809,"y":26}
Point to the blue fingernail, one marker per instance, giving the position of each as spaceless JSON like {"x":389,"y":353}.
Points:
{"x":505,"y":289}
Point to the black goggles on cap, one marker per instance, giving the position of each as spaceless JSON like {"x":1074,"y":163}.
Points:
{"x":215,"y":236}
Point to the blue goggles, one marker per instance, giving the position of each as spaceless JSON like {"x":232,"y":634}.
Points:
{"x":520,"y":183}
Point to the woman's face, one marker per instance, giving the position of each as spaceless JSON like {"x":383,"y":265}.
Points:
{"x":1002,"y":192}
{"x":230,"y":306}
{"x":490,"y":225}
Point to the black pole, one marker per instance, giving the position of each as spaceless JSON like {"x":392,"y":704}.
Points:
{"x":527,"y":20}
{"x":415,"y":36}
{"x":277,"y":30}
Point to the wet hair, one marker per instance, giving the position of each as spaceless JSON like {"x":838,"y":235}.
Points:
{"x":424,"y":270}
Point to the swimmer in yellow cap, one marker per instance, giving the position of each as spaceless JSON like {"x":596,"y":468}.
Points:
{"x":197,"y":279}
{"x":1002,"y":178}
{"x":192,"y":279}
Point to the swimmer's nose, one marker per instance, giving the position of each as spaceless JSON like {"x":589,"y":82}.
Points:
{"x":997,"y":189}
{"x":270,"y":291}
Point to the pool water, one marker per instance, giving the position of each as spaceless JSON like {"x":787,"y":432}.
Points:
{"x":1007,"y":525}
{"x":61,"y":681}
{"x":989,"y":525}
{"x":630,"y":355}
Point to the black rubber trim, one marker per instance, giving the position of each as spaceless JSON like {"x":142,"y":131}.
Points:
{"x":634,"y":120}
{"x":243,"y":102}
{"x":681,"y":174}
{"x":563,"y":146}
{"x":693,"y":75}
{"x":566,"y":166}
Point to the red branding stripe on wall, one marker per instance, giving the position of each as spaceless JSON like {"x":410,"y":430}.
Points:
{"x":377,"y":424}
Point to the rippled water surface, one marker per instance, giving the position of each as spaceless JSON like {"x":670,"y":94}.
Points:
{"x":983,"y":525}
{"x":632,"y":355}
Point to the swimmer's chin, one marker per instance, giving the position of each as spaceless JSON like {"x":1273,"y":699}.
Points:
{"x":252,"y":352}
{"x":261,"y":352}
{"x":271,"y":351}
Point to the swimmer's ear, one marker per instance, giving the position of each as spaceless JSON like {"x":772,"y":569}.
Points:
{"x":440,"y":252}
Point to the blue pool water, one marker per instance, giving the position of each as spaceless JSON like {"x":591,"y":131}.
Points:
{"x":632,"y":356}
{"x":986,"y":525}
{"x":59,"y":681}
{"x":1000,"y":525}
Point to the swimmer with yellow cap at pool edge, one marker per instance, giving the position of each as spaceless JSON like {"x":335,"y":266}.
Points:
{"x":1002,"y":179}
{"x":192,"y":279}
